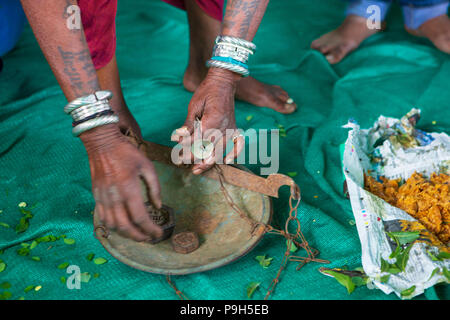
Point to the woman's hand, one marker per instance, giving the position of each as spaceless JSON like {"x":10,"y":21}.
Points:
{"x":213,"y":104}
{"x":117,"y":168}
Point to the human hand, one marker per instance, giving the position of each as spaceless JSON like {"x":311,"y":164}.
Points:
{"x":213,"y":104}
{"x":117,"y":168}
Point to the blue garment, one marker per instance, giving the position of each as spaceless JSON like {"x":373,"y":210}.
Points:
{"x":415,"y":12}
{"x":12,"y":20}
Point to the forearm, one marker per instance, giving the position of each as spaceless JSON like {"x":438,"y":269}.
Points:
{"x":66,"y":50}
{"x":243,"y":17}
{"x":242,"y":20}
{"x":68,"y":55}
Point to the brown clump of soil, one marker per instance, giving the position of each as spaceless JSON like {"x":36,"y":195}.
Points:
{"x":426,"y":200}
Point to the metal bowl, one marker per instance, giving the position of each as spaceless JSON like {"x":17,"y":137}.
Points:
{"x":199,"y":206}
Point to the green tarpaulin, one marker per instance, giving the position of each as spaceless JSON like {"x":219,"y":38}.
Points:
{"x":43,"y":165}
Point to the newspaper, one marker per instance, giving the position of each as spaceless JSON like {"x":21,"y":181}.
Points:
{"x":394,"y":148}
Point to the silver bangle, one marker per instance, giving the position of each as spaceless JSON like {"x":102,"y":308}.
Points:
{"x":237,"y":41}
{"x":94,"y":123}
{"x":86,"y":100}
{"x":228,"y":66}
{"x":231,"y":52}
{"x":89,"y":110}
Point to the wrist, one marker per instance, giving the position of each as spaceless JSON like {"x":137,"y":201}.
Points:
{"x":224,"y":75}
{"x":101,"y":137}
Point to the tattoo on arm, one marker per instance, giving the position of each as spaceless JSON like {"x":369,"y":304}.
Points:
{"x":242,"y":17}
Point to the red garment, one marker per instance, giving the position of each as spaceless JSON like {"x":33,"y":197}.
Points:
{"x":213,"y":8}
{"x":99,"y":23}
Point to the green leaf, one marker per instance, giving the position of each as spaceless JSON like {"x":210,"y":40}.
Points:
{"x":63,"y":280}
{"x":5,"y":285}
{"x":446,"y":273}
{"x":69,"y":241}
{"x":100,"y":260}
{"x":385,"y":278}
{"x":404,"y":237}
{"x":23,"y":251}
{"x":24,"y":223}
{"x":394,"y":269}
{"x":90,"y":256}
{"x":343,"y":279}
{"x":33,"y":245}
{"x":292,"y":247}
{"x":432,"y":256}
{"x":85,"y":277}
{"x":5,"y":295}
{"x":443,"y":255}
{"x":384,"y":265}
{"x":404,"y":257}
{"x":408,"y":292}
{"x":292,"y":174}
{"x":2,"y":266}
{"x":249,"y":117}
{"x":396,"y":252}
{"x":4,"y":225}
{"x":263,"y":261}
{"x":433,"y":273}
{"x":29,"y":288}
{"x":251,"y":288}
{"x":63,"y":265}
{"x":359,"y":281}
{"x":96,"y":275}
{"x":36,"y":258}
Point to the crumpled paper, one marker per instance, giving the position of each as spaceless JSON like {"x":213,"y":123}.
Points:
{"x":394,"y":148}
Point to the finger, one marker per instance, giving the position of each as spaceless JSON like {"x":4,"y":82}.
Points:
{"x":239,"y":143}
{"x":124,"y":225}
{"x":138,"y":212}
{"x":101,"y":212}
{"x":151,"y":178}
{"x":217,"y":153}
{"x":107,"y":209}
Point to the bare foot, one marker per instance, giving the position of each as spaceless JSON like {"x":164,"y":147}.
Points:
{"x":437,"y":30}
{"x":337,"y":44}
{"x":248,"y":89}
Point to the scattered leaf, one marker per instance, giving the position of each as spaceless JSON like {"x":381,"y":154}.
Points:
{"x":63,"y":265}
{"x":37,"y":288}
{"x":2,"y":266}
{"x":100,"y":260}
{"x":404,"y":237}
{"x":85,"y":277}
{"x":446,"y":273}
{"x":385,"y":278}
{"x":433,"y":273}
{"x":29,"y":288}
{"x":443,"y":255}
{"x":343,"y":279}
{"x":251,"y":288}
{"x":69,"y":241}
{"x":408,"y":292}
{"x":4,"y":225}
{"x":90,"y":256}
{"x":63,"y":280}
{"x":36,"y":258}
{"x":5,"y":295}
{"x":249,"y":117}
{"x":292,"y":247}
{"x":22,"y":204}
{"x":263,"y":261}
{"x":33,"y":245}
{"x":292,"y":174}
{"x":5,"y":285}
{"x":96,"y":275}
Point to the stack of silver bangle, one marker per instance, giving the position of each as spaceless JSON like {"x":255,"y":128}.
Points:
{"x":232,"y":53}
{"x":90,"y":112}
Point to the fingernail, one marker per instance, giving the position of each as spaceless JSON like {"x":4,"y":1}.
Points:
{"x":290,"y":101}
{"x":183,"y":130}
{"x":197,"y":171}
{"x":229,"y":161}
{"x":329,"y":57}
